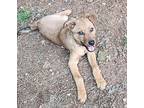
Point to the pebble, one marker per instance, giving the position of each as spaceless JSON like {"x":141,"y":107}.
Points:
{"x":63,"y":9}
{"x":62,"y":47}
{"x":57,"y":72}
{"x":41,"y":106}
{"x":57,"y":11}
{"x":68,"y":94}
{"x":26,"y":74}
{"x":50,"y":70}
{"x":89,"y":1}
{"x":67,"y":1}
{"x":24,"y":30}
{"x":124,"y":100}
{"x":52,"y":73}
{"x":46,"y":65}
{"x":49,"y":4}
{"x":108,"y":58}
{"x":43,"y":42}
{"x":104,"y":3}
{"x":25,"y":101}
{"x":21,"y":7}
{"x":38,"y":15}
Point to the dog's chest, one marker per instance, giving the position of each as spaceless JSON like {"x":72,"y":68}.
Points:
{"x":81,"y":50}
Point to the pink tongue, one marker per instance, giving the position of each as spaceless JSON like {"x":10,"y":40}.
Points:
{"x":91,"y":48}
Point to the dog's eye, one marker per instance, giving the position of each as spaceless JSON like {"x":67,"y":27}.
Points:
{"x":91,"y":29}
{"x":81,"y":33}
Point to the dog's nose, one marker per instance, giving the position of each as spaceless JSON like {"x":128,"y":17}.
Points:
{"x":91,"y":42}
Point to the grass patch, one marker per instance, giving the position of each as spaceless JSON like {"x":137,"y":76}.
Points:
{"x":124,"y":41}
{"x":23,"y":15}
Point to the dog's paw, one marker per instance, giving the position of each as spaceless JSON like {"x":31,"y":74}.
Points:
{"x":101,"y":84}
{"x":82,"y":96}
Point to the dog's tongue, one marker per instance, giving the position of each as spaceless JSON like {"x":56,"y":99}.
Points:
{"x":91,"y":48}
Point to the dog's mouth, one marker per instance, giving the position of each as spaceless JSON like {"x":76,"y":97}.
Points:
{"x":90,"y":48}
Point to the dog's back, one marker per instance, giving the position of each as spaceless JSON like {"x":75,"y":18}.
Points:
{"x":51,"y":25}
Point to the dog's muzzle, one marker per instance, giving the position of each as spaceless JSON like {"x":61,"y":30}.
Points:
{"x":91,"y":45}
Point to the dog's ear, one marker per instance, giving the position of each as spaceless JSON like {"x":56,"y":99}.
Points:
{"x":70,"y":24}
{"x":92,"y":18}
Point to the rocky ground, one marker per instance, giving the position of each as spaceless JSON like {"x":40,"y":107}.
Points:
{"x":43,"y":77}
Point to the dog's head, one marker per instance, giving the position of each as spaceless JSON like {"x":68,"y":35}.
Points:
{"x":84,"y":32}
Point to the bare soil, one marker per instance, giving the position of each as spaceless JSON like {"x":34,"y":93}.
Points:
{"x":43,"y":77}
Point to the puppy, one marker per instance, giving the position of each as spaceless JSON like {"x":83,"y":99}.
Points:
{"x":78,"y":35}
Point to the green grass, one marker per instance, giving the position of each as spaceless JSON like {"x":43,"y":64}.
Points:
{"x":124,"y":41}
{"x":23,"y":15}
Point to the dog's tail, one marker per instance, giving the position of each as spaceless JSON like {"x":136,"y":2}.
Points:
{"x":31,"y":27}
{"x":34,"y":26}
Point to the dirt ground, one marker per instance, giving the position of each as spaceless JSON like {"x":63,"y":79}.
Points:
{"x":43,"y":77}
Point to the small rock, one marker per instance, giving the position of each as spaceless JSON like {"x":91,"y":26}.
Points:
{"x":57,"y":11}
{"x":52,"y":73}
{"x":43,"y":42}
{"x":26,"y":74}
{"x":38,"y":15}
{"x":62,"y":47}
{"x":63,"y":9}
{"x":21,"y":7}
{"x":89,"y":1}
{"x":25,"y":101}
{"x":67,"y":1}
{"x":24,"y":30}
{"x":108,"y":58}
{"x":124,"y":100}
{"x":68,"y":94}
{"x":46,"y":65}
{"x":103,"y":3}
{"x":57,"y":72}
{"x":50,"y":70}
{"x":41,"y":106}
{"x":34,"y":79}
{"x":49,"y":4}
{"x":125,"y":106}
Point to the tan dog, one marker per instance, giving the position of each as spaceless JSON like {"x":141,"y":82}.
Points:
{"x":77,"y":35}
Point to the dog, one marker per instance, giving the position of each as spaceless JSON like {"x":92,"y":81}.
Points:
{"x":78,"y":35}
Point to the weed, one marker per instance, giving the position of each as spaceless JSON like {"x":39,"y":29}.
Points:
{"x":23,"y":15}
{"x":124,"y":41}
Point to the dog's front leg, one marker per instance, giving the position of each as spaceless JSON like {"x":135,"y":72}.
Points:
{"x":73,"y":61}
{"x":101,"y":83}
